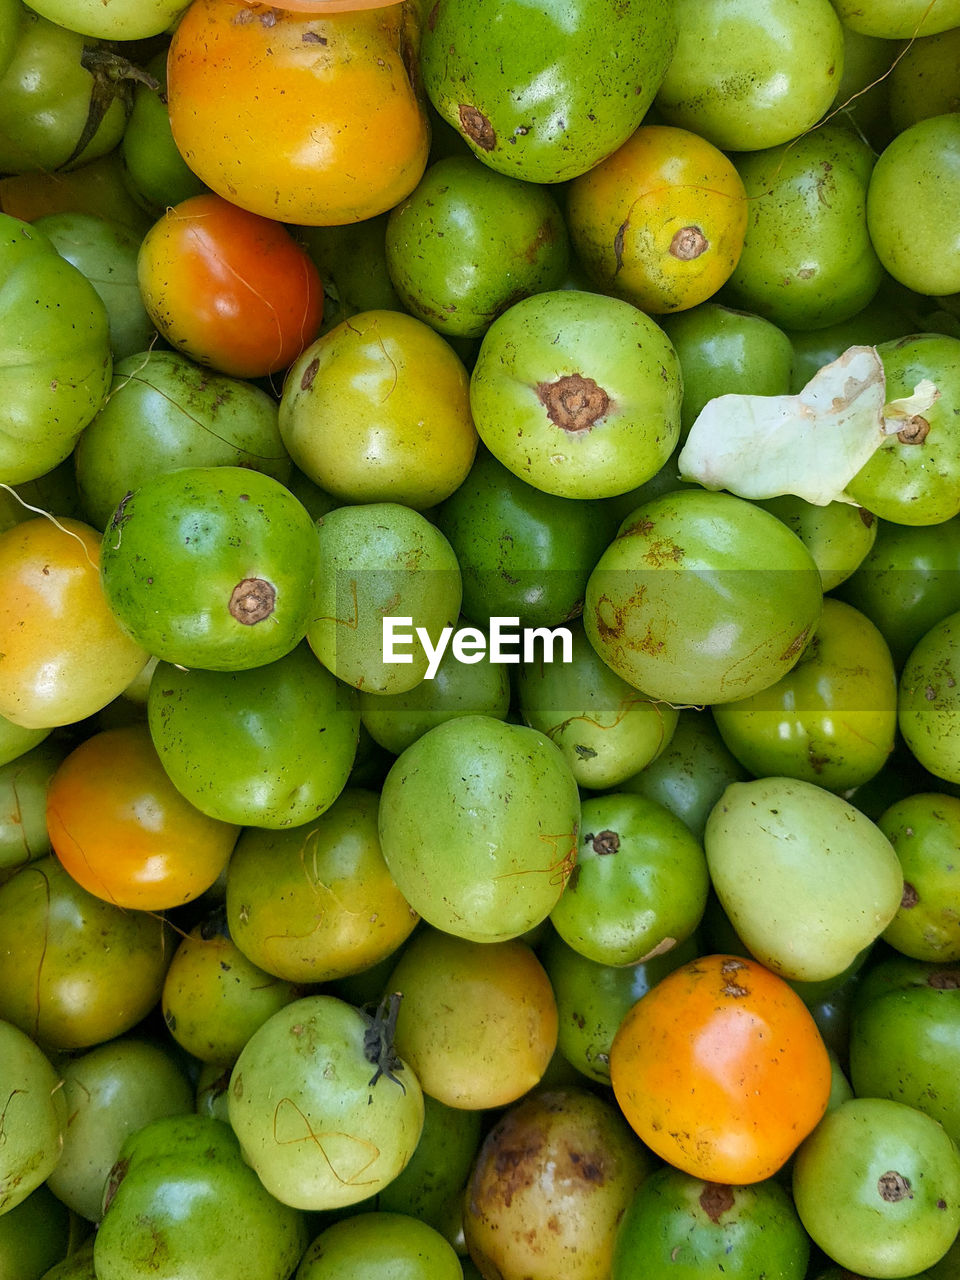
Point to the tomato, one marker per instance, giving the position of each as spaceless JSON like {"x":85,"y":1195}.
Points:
{"x":33,"y":1128}
{"x":114,"y":20}
{"x":494,"y":1042}
{"x":304,"y":118}
{"x":154,"y":169}
{"x":124,"y":832}
{"x":661,"y":221}
{"x":371,"y":1245}
{"x":924,"y":829}
{"x":228,"y":287}
{"x":721,"y":1070}
{"x":63,"y":655}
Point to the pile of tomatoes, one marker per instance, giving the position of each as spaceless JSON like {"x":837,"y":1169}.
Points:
{"x":625,"y":944}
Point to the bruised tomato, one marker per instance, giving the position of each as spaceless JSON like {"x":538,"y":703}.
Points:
{"x":721,"y":1070}
{"x":229,"y":288}
{"x":311,"y":118}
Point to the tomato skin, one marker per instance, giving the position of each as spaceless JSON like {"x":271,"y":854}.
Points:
{"x":229,"y":288}
{"x":64,"y":655}
{"x":123,"y":831}
{"x":721,"y":1070}
{"x":307,"y":119}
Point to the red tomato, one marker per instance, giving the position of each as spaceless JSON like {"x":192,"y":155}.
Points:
{"x":229,"y":288}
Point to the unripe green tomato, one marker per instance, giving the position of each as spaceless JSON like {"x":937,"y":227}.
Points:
{"x":78,"y":1265}
{"x":807,"y":259}
{"x":910,"y":205}
{"x":924,"y":829}
{"x":905,"y":1037}
{"x":929,"y":700}
{"x":211,"y":567}
{"x":479,"y":823}
{"x":469,"y":242}
{"x":376,"y":562}
{"x":683,"y":1228}
{"x":165,"y":412}
{"x":154,"y":169}
{"x":864,"y":91}
{"x":690,"y":774}
{"x":725,"y":352}
{"x":35,"y":1117}
{"x":326,"y":1114}
{"x":752,"y":73}
{"x":881,"y":320}
{"x":925,"y":80}
{"x":832,"y":719}
{"x":181,"y":1204}
{"x":268,"y":747}
{"x":639,"y":886}
{"x":352,"y":262}
{"x":16,"y":741}
{"x":908,"y":581}
{"x":578,"y":394}
{"x":112,"y":1091}
{"x":120,"y":20}
{"x":34,"y":1235}
{"x":606,"y":729}
{"x":379,"y":1246}
{"x":838,"y":536}
{"x":807,"y":880}
{"x":914,"y":477}
{"x":877,"y":1187}
{"x":702,"y":598}
{"x":899,"y":19}
{"x":23,"y":804}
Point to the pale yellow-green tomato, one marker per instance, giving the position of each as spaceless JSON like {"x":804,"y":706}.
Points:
{"x":380,"y":1246}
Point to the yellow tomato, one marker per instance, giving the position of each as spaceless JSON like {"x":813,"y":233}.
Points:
{"x":661,"y":221}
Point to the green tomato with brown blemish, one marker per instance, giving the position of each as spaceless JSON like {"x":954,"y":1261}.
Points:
{"x":34,"y":1118}
{"x":606,"y":729}
{"x":929,"y":700}
{"x":924,"y":829}
{"x":914,"y":477}
{"x":832,"y":719}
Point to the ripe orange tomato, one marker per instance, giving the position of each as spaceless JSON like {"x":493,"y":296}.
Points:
{"x":229,"y":288}
{"x":721,"y":1070}
{"x":660,"y":222}
{"x":310,"y":118}
{"x":123,"y":831}
{"x":63,"y":654}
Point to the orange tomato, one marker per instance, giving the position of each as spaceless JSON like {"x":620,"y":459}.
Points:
{"x":310,"y":118}
{"x":63,"y":654}
{"x":123,"y":831}
{"x":721,"y":1070}
{"x":660,"y":222}
{"x":229,"y":288}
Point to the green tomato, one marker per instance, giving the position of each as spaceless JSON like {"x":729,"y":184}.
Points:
{"x":680,"y":1227}
{"x":211,"y":567}
{"x":838,"y":536}
{"x":118,"y":20}
{"x":106,"y":253}
{"x":702,"y":598}
{"x":325,"y":1112}
{"x":914,"y":477}
{"x":899,"y":19}
{"x":877,"y":1187}
{"x":807,"y":259}
{"x":929,"y":700}
{"x":925,"y":81}
{"x":863,"y":94}
{"x":376,"y":562}
{"x":181,"y":1204}
{"x":55,"y":360}
{"x":881,"y":320}
{"x":749,"y":74}
{"x":577,"y":394}
{"x":924,"y":829}
{"x":165,"y":412}
{"x":832,"y":719}
{"x":23,"y":805}
{"x":33,"y":1236}
{"x":639,"y":886}
{"x":806,"y":879}
{"x":478,"y":823}
{"x":691,"y":773}
{"x":486,"y":74}
{"x":905,"y":1038}
{"x":910,"y":205}
{"x":908,"y":581}
{"x":16,"y":741}
{"x":268,"y":747}
{"x":111,"y":1091}
{"x":352,"y":261}
{"x":606,"y":729}
{"x":35,"y":1116}
{"x":380,"y":1246}
{"x":725,"y":352}
{"x":522,"y":553}
{"x":154,"y":169}
{"x":49,"y":100}
{"x":468,"y":242}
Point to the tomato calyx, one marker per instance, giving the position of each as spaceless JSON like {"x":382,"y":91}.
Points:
{"x":112,"y":74}
{"x":378,"y":1046}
